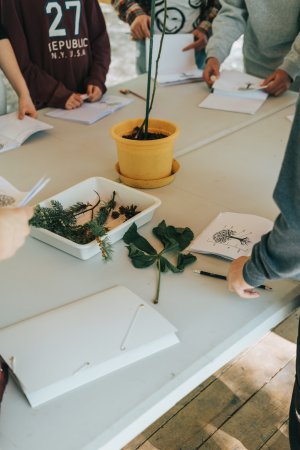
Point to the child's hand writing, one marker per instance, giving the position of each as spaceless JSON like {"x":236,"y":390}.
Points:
{"x":74,"y":101}
{"x":94,"y":93}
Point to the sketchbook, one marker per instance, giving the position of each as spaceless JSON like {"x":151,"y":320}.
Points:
{"x":236,"y":92}
{"x":181,"y":67}
{"x":89,"y":113}
{"x":231,"y":235}
{"x":60,"y":350}
{"x":14,"y":132}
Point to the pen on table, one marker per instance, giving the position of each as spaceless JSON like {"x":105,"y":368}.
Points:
{"x":129,"y":91}
{"x":223,"y":277}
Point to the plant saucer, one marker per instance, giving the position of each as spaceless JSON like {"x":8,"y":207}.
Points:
{"x":149,"y":184}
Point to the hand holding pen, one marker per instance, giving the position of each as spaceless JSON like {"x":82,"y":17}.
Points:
{"x":236,"y":282}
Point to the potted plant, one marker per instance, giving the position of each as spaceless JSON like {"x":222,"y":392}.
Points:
{"x":145,"y":145}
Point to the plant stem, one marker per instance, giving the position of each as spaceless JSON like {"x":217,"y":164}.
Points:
{"x":149,"y":103}
{"x":149,"y":68}
{"x":155,"y":301}
{"x":90,"y":209}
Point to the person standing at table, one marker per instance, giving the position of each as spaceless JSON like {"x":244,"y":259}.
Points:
{"x":277,"y":255}
{"x":62,"y":48}
{"x":193,"y":16}
{"x":9,"y":65}
{"x":271,"y":46}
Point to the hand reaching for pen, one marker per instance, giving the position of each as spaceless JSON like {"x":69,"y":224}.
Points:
{"x":277,"y":83}
{"x":211,"y":71}
{"x":94,"y":93}
{"x":74,"y":101}
{"x":236,"y":282}
{"x":140,"y":27}
{"x":200,"y":41}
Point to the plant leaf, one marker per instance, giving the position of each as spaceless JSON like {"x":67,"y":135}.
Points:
{"x":139,"y":258}
{"x":133,"y":237}
{"x":184,"y":260}
{"x":169,"y":235}
{"x":167,"y":265}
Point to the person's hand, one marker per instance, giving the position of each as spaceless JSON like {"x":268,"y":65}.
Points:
{"x":140,"y":27}
{"x":26,"y":106}
{"x":14,"y":228}
{"x":74,"y":101}
{"x":211,"y":71}
{"x":236,"y":282}
{"x":200,"y":41}
{"x":94,"y":93}
{"x":277,"y":83}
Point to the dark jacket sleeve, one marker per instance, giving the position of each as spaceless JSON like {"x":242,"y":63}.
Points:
{"x":277,"y":255}
{"x":128,"y":10}
{"x":3,"y":34}
{"x":99,"y":44}
{"x":208,"y":13}
{"x":41,"y":85}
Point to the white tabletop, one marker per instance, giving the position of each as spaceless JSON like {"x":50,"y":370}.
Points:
{"x":237,"y":173}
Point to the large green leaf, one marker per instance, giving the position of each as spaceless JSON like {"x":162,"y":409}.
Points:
{"x":133,"y":237}
{"x":168,"y":235}
{"x":184,"y":260}
{"x":139,"y":258}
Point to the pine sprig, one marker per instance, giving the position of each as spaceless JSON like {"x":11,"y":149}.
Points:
{"x":64,"y":221}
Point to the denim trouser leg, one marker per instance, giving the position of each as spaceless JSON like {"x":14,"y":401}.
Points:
{"x":141,"y":57}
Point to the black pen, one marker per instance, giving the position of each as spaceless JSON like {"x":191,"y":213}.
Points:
{"x":223,"y":277}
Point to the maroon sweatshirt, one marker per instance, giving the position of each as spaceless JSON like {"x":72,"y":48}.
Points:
{"x":61,"y":46}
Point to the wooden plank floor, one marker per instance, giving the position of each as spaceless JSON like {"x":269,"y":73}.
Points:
{"x":242,"y":406}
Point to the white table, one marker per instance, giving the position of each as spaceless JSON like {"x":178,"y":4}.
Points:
{"x":236,"y":173}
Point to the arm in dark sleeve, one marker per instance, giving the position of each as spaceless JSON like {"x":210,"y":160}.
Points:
{"x":208,"y":13}
{"x":44,"y":89}
{"x":128,"y":10}
{"x":278,"y":253}
{"x":99,"y":44}
{"x":3,"y":34}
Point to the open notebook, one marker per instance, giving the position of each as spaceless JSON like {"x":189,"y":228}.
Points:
{"x":231,"y":235}
{"x":60,"y":350}
{"x":237,"y":92}
{"x":175,"y":66}
{"x":14,"y":132}
{"x":89,"y":113}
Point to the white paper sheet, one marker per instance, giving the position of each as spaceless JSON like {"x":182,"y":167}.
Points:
{"x":14,"y":132}
{"x":18,"y":198}
{"x":227,"y":94}
{"x":175,"y":66}
{"x":67,"y":347}
{"x":89,"y":113}
{"x":231,"y":235}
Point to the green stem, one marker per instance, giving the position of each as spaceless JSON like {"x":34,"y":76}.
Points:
{"x":149,"y":69}
{"x":158,"y":55}
{"x":158,"y":282}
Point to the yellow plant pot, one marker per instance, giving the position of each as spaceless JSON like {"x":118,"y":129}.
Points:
{"x":145,"y":159}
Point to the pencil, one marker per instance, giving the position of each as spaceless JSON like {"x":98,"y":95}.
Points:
{"x":223,"y":277}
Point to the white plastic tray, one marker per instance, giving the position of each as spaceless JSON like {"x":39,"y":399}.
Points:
{"x":82,"y":192}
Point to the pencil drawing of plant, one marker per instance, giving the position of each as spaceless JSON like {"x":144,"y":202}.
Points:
{"x":224,"y":236}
